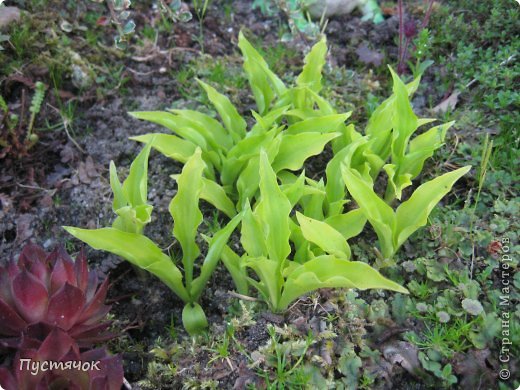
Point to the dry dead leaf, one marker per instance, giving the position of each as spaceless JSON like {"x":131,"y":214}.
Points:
{"x":87,"y":171}
{"x":404,"y":354}
{"x":23,"y":228}
{"x":476,"y":368}
{"x":449,"y":103}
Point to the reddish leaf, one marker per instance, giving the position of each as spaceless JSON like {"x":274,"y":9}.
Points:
{"x":81,"y":270}
{"x":62,"y":273}
{"x":31,"y":253}
{"x":11,"y":324}
{"x":57,"y":344}
{"x":30,"y":296}
{"x":86,"y":335}
{"x":7,"y":380}
{"x":92,"y":285}
{"x":41,"y":271}
{"x":65,"y":306}
{"x":111,"y":373}
{"x":96,"y":305}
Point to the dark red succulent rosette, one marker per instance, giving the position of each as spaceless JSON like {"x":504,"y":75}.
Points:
{"x":52,"y":309}
{"x":51,"y":290}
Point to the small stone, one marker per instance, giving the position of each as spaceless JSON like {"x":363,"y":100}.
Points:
{"x":49,"y":243}
{"x":332,"y":7}
{"x":8,"y":15}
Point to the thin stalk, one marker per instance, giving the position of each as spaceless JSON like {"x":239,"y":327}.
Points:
{"x":403,"y":46}
{"x":486,"y":154}
{"x":401,"y":35}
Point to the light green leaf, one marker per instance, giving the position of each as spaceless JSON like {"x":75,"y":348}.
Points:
{"x":248,"y":181}
{"x":295,"y":149}
{"x":295,"y":190}
{"x":119,"y":197}
{"x":270,"y":278}
{"x":251,"y":145}
{"x":314,"y":61}
{"x":175,"y":123}
{"x":328,"y":271}
{"x":194,"y":319}
{"x":233,"y":264}
{"x":184,"y":208}
{"x":135,"y":187}
{"x":216,"y":245}
{"x":266,"y":122}
{"x":404,"y":121}
{"x":324,"y":236}
{"x":251,"y":238}
{"x":273,"y":213}
{"x":215,"y":194}
{"x":350,"y":224}
{"x":335,"y":186}
{"x":208,"y":126}
{"x":138,"y":250}
{"x":378,"y":213}
{"x":169,"y":145}
{"x":133,"y":219}
{"x":232,"y":120}
{"x":431,"y":139}
{"x":413,"y":213}
{"x":264,"y":83}
{"x":322,"y":124}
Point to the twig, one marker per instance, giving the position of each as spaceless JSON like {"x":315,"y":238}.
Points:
{"x":127,"y":384}
{"x":243,"y":297}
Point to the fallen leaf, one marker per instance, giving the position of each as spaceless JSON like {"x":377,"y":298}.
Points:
{"x":403,"y":354}
{"x":449,"y":103}
{"x":87,"y":171}
{"x":23,"y":227}
{"x":476,"y":369}
{"x":246,"y":377}
{"x":369,"y":56}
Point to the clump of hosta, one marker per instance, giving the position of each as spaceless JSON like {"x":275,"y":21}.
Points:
{"x":294,"y":230}
{"x":43,"y":291}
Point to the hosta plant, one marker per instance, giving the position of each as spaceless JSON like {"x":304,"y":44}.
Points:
{"x":125,"y":237}
{"x":56,"y":362}
{"x":43,"y":291}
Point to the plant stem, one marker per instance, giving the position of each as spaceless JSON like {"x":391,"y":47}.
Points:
{"x":403,"y":46}
{"x":401,"y":35}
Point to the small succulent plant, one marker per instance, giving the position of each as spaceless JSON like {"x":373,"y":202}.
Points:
{"x":57,"y":363}
{"x":44,"y":291}
{"x":52,"y":312}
